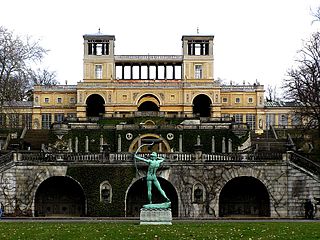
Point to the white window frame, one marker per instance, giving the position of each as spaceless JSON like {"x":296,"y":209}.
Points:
{"x":98,"y":71}
{"x":198,"y":71}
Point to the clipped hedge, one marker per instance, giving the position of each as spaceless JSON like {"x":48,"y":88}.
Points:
{"x":189,"y":138}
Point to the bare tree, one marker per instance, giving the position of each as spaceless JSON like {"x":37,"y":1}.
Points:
{"x":43,"y":77}
{"x":271,"y":93}
{"x":17,"y":55}
{"x":316,"y":15}
{"x":303,"y":84}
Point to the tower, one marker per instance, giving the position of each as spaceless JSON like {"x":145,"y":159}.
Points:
{"x":198,"y":57}
{"x":98,"y":62}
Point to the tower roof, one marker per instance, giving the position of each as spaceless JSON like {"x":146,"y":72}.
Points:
{"x":197,"y":37}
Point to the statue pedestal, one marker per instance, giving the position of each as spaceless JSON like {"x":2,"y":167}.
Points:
{"x":155,"y":216}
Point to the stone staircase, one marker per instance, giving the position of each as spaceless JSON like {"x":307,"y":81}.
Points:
{"x":34,"y":138}
{"x":268,"y":142}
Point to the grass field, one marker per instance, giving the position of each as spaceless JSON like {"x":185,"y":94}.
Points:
{"x":178,"y":231}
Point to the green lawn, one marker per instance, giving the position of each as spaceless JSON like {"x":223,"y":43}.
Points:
{"x":178,"y":231}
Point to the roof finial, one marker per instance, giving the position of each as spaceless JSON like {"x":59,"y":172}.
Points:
{"x":197,"y":29}
{"x":99,"y":31}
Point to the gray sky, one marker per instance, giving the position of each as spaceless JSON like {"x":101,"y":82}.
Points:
{"x":254,"y":39}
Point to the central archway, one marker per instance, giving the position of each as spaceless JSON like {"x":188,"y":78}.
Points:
{"x":95,"y":106}
{"x":148,"y":103}
{"x":59,"y":196}
{"x":244,"y":197}
{"x":137,"y":196}
{"x":202,"y":106}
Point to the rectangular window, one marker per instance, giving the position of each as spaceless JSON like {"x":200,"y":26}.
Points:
{"x":283,"y":120}
{"x":225,"y":100}
{"x":238,"y":118}
{"x":59,"y":100}
{"x":270,"y":120}
{"x":58,"y":117}
{"x":46,"y":100}
{"x":27,"y":120}
{"x":198,"y":71}
{"x":14,"y":120}
{"x":98,"y":71}
{"x":237,"y":100}
{"x":251,"y":121}
{"x":296,"y":120}
{"x":250,"y":100}
{"x":46,"y":120}
{"x":225,"y":116}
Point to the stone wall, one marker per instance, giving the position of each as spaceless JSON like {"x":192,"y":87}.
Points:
{"x":288,"y":185}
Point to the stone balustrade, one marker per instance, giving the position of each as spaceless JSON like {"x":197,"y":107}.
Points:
{"x":119,"y":158}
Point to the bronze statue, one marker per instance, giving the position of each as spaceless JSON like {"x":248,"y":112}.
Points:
{"x":154,"y":163}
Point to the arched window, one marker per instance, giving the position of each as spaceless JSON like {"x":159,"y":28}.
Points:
{"x":198,"y":193}
{"x":105,"y":192}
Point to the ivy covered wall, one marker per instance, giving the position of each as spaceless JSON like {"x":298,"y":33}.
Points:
{"x":90,"y":178}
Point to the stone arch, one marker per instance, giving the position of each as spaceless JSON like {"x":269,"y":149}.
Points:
{"x":155,"y":148}
{"x":244,"y":196}
{"x":201,"y":105}
{"x":95,"y":105}
{"x":136,"y":196}
{"x":148,"y":102}
{"x":60,"y":196}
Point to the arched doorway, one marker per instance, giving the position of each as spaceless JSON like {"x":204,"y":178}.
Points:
{"x":59,"y":196}
{"x":148,"y":103}
{"x":160,"y":144}
{"x":244,"y":197}
{"x":95,"y":106}
{"x":137,"y":196}
{"x":202,"y":106}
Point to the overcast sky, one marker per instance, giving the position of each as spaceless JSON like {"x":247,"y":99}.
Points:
{"x":254,"y":39}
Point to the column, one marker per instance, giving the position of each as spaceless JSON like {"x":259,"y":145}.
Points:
{"x":148,"y":71}
{"x":76,"y":143}
{"x":157,"y":75}
{"x":229,"y":145}
{"x":70,"y":145}
{"x":139,"y":71}
{"x":213,"y":145}
{"x":165,"y":71}
{"x":86,"y":145}
{"x":223,"y":145}
{"x":180,"y":143}
{"x":198,"y":140}
{"x":131,"y":71}
{"x":101,"y":143}
{"x":173,"y":71}
{"x":119,"y":143}
{"x":122,"y":69}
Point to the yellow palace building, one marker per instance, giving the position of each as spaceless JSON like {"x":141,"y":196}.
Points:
{"x":171,"y":86}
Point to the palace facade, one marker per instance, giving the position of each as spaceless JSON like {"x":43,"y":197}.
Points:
{"x":171,"y":86}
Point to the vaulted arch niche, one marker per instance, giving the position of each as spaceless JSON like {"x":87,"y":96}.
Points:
{"x":137,"y":196}
{"x":244,"y":197}
{"x":59,"y":196}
